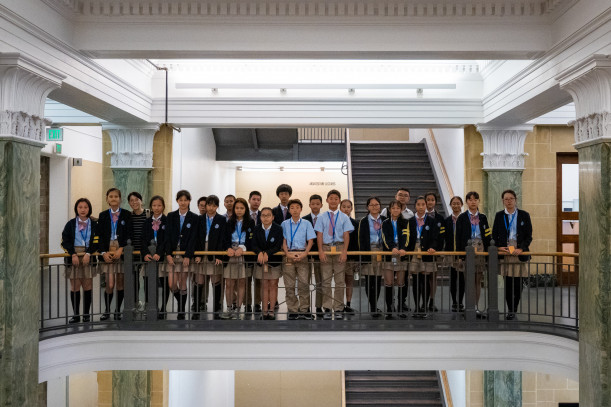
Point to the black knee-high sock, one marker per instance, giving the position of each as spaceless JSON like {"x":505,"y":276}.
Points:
{"x":423,"y":283}
{"x":200,"y":294}
{"x":165,"y":292}
{"x":120,"y":296}
{"x":197,"y":294}
{"x":145,"y":282}
{"x":88,"y":296}
{"x":454,"y":285}
{"x":176,"y":295}
{"x":107,"y":301}
{"x":517,"y":292}
{"x":402,"y":297}
{"x":75,"y":298}
{"x":461,"y":287}
{"x":183,"y":301}
{"x":372,"y":290}
{"x":416,"y":289}
{"x":388,"y":294}
{"x":217,"y":297}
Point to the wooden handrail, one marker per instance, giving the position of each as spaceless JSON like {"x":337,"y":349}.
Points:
{"x":446,"y":389}
{"x":446,"y":178}
{"x":354,"y":253}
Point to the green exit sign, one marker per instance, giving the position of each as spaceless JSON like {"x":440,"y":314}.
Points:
{"x":55,"y":134}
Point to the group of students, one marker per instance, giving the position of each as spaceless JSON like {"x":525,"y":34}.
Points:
{"x":267,"y":231}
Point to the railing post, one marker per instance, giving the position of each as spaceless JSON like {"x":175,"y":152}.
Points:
{"x":129,"y":282}
{"x":151,"y":288}
{"x":470,"y":283}
{"x":493,"y":282}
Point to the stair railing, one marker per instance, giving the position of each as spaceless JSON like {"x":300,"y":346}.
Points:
{"x":447,"y":186}
{"x":445,"y":385}
{"x":349,"y":166}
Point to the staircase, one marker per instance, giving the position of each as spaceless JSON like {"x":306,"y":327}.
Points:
{"x":378,"y":169}
{"x":393,"y":388}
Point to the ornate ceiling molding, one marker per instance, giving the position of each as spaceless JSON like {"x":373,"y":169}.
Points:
{"x":504,"y":147}
{"x":312,"y":9}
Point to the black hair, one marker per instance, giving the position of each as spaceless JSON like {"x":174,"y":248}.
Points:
{"x":397,"y":203}
{"x":78,"y":201}
{"x":315,"y":196}
{"x":457,"y":197}
{"x":403,"y":189}
{"x":419,"y":198}
{"x":212,"y":200}
{"x":252,"y":193}
{"x":157,"y":198}
{"x":202,"y":198}
{"x":230,"y":196}
{"x":294,"y":201}
{"x":334,"y":192}
{"x":267,"y":208}
{"x":372,"y":198}
{"x":183,"y":192}
{"x":113,"y":189}
{"x":347,"y":200}
{"x":471,"y":194}
{"x":434,"y":195}
{"x":284,"y":188}
{"x":509,"y":191}
{"x":233,"y":220}
{"x":136,"y":194}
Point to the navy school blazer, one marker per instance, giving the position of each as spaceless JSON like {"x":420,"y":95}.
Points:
{"x":388,"y":235}
{"x":218,"y":240}
{"x":148,"y":235}
{"x":463,"y":231}
{"x":449,"y":234}
{"x":105,"y":229}
{"x":429,"y":238}
{"x":353,"y":244}
{"x":363,"y":236}
{"x":249,"y":229}
{"x":524,"y":230}
{"x":278,"y":216}
{"x":68,"y":235}
{"x":187,"y":235}
{"x":271,"y":245}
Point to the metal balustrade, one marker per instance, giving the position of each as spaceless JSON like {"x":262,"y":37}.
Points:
{"x":549,"y":301}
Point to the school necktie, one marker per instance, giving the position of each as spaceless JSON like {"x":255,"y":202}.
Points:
{"x":377,"y":224}
{"x":82,"y":225}
{"x":253,"y":215}
{"x":474,"y":220}
{"x":454,"y":217}
{"x":115,"y":216}
{"x":331,"y":224}
{"x":284,"y":213}
{"x":156,"y":223}
{"x":419,"y":221}
{"x":314,"y":219}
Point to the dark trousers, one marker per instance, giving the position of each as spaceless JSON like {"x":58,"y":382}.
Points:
{"x":373,"y":286}
{"x":513,"y":292}
{"x":457,"y":283}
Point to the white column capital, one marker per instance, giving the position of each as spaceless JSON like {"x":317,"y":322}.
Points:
{"x":504,"y":146}
{"x":589,"y":83}
{"x":132,"y":146}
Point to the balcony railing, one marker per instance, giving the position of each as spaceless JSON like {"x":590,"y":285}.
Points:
{"x":549,"y":302}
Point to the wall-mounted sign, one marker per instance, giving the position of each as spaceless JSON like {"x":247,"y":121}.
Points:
{"x":55,"y":134}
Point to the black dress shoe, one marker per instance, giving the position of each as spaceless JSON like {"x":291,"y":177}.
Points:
{"x":454,"y":307}
{"x":180,"y":316}
{"x":195,"y":316}
{"x":74,"y":320}
{"x":105,"y":316}
{"x":117,"y":316}
{"x":293,"y":316}
{"x":349,"y":310}
{"x":257,"y":308}
{"x":510,"y":317}
{"x":377,"y":313}
{"x":161,"y":315}
{"x":86,"y":318}
{"x":319,"y":312}
{"x":249,"y":309}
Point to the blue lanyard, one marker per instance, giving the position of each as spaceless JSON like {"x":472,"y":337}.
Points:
{"x":512,"y":219}
{"x":419,"y":228}
{"x":473,"y":227}
{"x":238,"y":228}
{"x":267,"y":234}
{"x":113,"y":225}
{"x":209,"y":223}
{"x":293,"y":234}
{"x":333,"y":222}
{"x":394,"y":229}
{"x":379,"y":231}
{"x":182,"y":219}
{"x":85,"y":239}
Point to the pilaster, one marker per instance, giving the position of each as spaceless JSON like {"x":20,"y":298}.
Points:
{"x":24,"y":86}
{"x":502,"y":388}
{"x":131,"y":158}
{"x":589,"y":83}
{"x":503,"y":163}
{"x":131,"y":388}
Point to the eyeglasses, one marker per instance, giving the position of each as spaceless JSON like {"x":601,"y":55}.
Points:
{"x":373,"y":205}
{"x":509,"y":199}
{"x":403,"y":195}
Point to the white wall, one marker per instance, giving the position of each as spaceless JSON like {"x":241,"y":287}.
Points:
{"x":195,"y":167}
{"x":80,"y":142}
{"x":458,"y":387}
{"x":201,"y":388}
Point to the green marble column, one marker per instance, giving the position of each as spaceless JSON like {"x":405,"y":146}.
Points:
{"x":595,"y":274}
{"x":131,"y":388}
{"x":502,"y":388}
{"x":19,"y":270}
{"x":133,"y":179}
{"x":495,"y":182}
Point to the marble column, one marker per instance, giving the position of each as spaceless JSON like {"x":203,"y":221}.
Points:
{"x":502,"y":388}
{"x":131,"y":388}
{"x":589,"y":83}
{"x":503,"y":163}
{"x":131,"y":159}
{"x":24,"y":86}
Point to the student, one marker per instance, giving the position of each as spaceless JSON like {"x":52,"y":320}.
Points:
{"x":431,"y":201}
{"x":181,"y":236}
{"x":113,"y":227}
{"x":267,"y":241}
{"x":281,"y":212}
{"x":312,"y":217}
{"x":423,"y":238}
{"x":370,"y":239}
{"x":239,"y":236}
{"x":395,"y":238}
{"x":333,"y":234}
{"x":472,"y":227}
{"x":153,"y":234}
{"x":457,"y":278}
{"x":254,"y":201}
{"x":137,"y":218}
{"x":229,"y":202}
{"x":403,"y":197}
{"x":352,"y":263}
{"x":80,"y":237}
{"x":201,"y":205}
{"x":298,"y":241}
{"x":202,"y":289}
{"x":213,"y":237}
{"x":512,"y":232}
